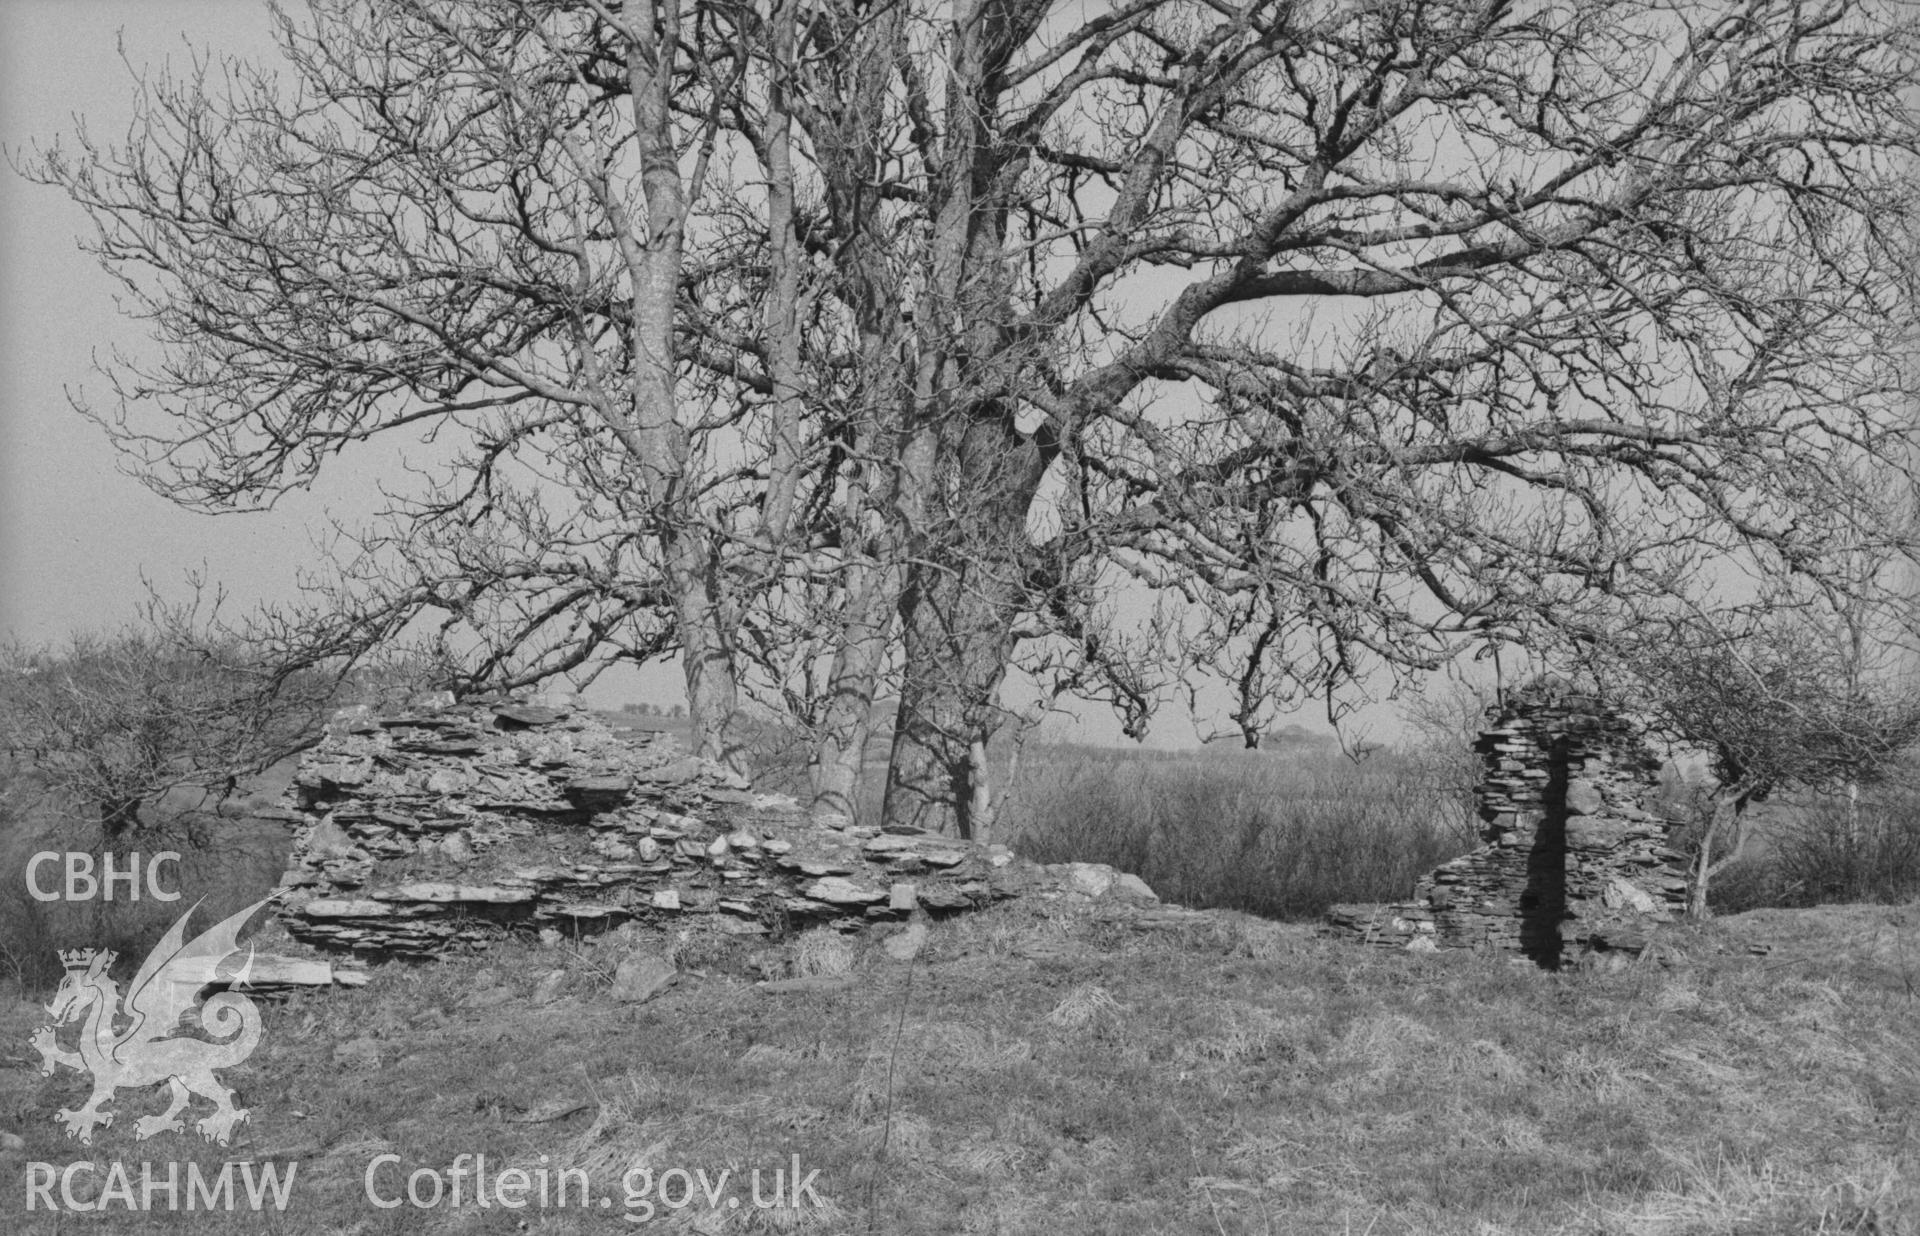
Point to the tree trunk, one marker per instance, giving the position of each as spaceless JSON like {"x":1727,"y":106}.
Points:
{"x":1705,"y":868}
{"x":847,"y":721}
{"x":1702,"y":873}
{"x":956,"y":657}
{"x":968,"y":475}
{"x":706,"y":648}
{"x":851,"y":153}
{"x":963,"y":593}
{"x":649,"y":426}
{"x":781,"y":312}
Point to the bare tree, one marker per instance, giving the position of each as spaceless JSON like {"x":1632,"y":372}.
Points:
{"x":118,"y":720}
{"x":1782,"y":699}
{"x":1350,"y":337}
{"x":1775,"y":709}
{"x":1446,"y":722}
{"x":457,"y":222}
{"x":846,"y":344}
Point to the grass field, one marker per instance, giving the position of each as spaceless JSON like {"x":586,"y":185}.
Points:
{"x":1052,"y":1072}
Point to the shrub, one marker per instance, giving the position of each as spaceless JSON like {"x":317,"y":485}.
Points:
{"x":134,"y":742}
{"x":119,"y":720}
{"x":1826,"y":852}
{"x":1751,"y":883}
{"x":229,"y":860}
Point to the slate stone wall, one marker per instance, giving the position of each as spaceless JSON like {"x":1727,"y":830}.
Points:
{"x":1574,"y":859}
{"x":448,"y":826}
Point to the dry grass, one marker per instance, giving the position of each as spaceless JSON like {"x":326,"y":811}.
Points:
{"x":1041,"y":1071}
{"x":1280,"y":834}
{"x":822,"y":952}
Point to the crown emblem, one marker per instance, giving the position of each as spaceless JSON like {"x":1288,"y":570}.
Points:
{"x":80,"y":958}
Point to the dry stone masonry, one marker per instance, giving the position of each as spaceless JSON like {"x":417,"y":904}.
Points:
{"x":1574,"y":861}
{"x":448,"y":826}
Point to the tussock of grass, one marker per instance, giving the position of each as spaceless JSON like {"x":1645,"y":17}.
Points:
{"x":1708,"y":1198}
{"x":822,"y":952}
{"x":1088,"y":1004}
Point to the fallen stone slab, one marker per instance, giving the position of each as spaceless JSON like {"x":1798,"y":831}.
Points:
{"x":272,"y":973}
{"x":905,"y":945}
{"x":482,"y":894}
{"x":642,"y":976}
{"x":805,"y":984}
{"x":840,"y":892}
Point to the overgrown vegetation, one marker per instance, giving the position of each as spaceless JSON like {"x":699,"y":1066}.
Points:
{"x":1281,"y":835}
{"x":1777,"y":704}
{"x":1284,"y":834}
{"x":237,"y":863}
{"x":118,"y":720}
{"x":1832,"y":852}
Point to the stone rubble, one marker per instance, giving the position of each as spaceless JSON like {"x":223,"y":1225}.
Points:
{"x":1574,"y":860}
{"x":451,"y":825}
{"x":641,"y":976}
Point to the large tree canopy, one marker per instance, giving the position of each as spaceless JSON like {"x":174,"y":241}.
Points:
{"x":837,"y":344}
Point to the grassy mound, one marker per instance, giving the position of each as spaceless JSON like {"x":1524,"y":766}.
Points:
{"x":1036,"y":1071}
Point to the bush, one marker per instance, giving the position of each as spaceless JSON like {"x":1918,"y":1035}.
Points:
{"x":229,"y":860}
{"x":1824,"y":853}
{"x":1748,"y":884}
{"x":1280,"y":835}
{"x":134,"y":741}
{"x":117,"y":721}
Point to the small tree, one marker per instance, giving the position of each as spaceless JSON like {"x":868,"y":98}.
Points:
{"x":1446,"y":725}
{"x":1779,"y":705}
{"x":120,"y":719}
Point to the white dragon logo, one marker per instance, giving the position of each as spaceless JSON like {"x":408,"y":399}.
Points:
{"x":147,"y":1050}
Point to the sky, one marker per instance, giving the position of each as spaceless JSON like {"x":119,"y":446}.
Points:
{"x":79,"y":537}
{"x":77,"y":534}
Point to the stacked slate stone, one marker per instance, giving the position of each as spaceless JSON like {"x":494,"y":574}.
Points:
{"x":450,"y":825}
{"x":1574,"y":860}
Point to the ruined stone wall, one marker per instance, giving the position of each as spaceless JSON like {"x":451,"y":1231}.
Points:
{"x":1574,"y":858}
{"x":448,"y":826}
